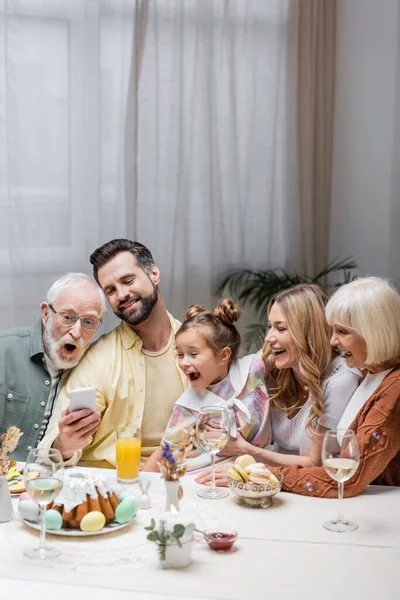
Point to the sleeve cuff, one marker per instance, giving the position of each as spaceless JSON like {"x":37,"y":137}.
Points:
{"x":73,"y":461}
{"x":328,"y":421}
{"x":48,"y":441}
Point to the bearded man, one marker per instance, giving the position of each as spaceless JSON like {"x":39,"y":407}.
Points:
{"x":36,"y":361}
{"x":134,"y":368}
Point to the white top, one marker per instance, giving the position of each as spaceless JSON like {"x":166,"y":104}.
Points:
{"x":360,"y":396}
{"x":289,"y":435}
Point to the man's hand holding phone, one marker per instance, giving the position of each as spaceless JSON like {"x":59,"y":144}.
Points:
{"x":78,"y":422}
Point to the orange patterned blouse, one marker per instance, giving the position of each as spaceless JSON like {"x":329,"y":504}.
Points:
{"x":377,"y":428}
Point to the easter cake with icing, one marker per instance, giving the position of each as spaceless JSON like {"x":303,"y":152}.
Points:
{"x":83,"y":494}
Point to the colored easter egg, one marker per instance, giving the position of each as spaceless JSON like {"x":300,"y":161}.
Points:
{"x":127,"y":494}
{"x":93,"y":521}
{"x":29,"y":510}
{"x":25,"y":496}
{"x":126,"y":511}
{"x":53,"y":520}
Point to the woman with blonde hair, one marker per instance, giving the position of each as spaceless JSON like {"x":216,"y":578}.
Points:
{"x":309,"y":386}
{"x":365,"y":317}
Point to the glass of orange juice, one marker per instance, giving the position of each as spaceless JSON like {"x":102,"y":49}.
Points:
{"x":127,"y":452}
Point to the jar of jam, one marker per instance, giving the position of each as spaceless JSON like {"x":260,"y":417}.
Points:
{"x":220,"y":540}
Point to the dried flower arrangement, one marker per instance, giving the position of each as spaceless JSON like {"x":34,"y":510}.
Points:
{"x":172,"y":464}
{"x":9,"y":442}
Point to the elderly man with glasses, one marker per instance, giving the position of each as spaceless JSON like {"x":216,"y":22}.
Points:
{"x":36,"y":361}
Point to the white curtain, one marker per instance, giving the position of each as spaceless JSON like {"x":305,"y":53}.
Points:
{"x":211,"y":135}
{"x":64,"y":75}
{"x":170,"y":121}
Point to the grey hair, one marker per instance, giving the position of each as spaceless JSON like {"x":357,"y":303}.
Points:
{"x":370,"y":306}
{"x":71,"y":280}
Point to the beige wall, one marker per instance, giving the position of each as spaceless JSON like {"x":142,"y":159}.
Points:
{"x":365,"y":216}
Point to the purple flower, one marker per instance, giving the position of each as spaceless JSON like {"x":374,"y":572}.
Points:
{"x":167,"y":454}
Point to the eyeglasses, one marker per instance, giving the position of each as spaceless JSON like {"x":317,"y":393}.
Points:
{"x":69,"y":319}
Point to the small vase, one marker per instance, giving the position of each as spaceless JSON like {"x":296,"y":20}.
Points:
{"x":174,"y":494}
{"x":176,"y":557}
{"x":6,"y":510}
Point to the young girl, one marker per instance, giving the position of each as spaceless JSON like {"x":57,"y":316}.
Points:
{"x":208,"y":344}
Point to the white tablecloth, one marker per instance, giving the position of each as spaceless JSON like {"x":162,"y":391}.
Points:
{"x":282,"y":551}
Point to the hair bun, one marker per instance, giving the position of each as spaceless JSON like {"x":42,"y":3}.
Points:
{"x":227,"y":312}
{"x":194,"y":310}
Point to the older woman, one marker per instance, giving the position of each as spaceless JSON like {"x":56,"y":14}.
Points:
{"x":365,"y":316}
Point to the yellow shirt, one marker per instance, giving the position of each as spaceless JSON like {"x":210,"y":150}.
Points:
{"x":162,"y":389}
{"x":116,"y":367}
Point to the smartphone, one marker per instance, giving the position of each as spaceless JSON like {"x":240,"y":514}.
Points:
{"x":83,"y":398}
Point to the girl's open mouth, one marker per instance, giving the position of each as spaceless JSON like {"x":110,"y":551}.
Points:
{"x":193,"y":376}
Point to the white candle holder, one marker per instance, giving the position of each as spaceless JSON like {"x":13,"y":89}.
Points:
{"x":174,"y":540}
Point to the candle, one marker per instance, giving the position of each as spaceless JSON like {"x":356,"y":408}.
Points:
{"x":176,"y":556}
{"x":173,"y":517}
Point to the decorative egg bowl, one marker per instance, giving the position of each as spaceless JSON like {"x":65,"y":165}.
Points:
{"x":255,"y":495}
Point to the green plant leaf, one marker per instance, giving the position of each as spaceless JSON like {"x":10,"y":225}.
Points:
{"x":151,"y":526}
{"x":346,"y":264}
{"x":153,"y":537}
{"x":178,"y":541}
{"x":178,"y":530}
{"x":254,"y":336}
{"x":255,"y":287}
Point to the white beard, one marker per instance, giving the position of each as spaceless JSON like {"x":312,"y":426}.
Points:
{"x":52,"y":347}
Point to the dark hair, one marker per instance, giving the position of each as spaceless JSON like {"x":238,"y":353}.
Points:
{"x":107,"y":251}
{"x":218,"y":328}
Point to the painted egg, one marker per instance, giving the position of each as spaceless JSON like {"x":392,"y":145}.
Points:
{"x":127,"y":494}
{"x":25,"y":496}
{"x":29,"y":510}
{"x":93,"y":521}
{"x":126,"y":511}
{"x":53,"y":520}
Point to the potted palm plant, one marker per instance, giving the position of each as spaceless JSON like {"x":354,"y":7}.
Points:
{"x":255,"y":287}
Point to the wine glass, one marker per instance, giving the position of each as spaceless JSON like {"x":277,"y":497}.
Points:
{"x":212,"y":432}
{"x":43,"y":478}
{"x":340,"y":457}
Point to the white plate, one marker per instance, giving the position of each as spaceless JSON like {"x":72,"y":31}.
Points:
{"x":113,"y":526}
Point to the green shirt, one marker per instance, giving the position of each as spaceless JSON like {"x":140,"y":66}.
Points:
{"x":25,"y":384}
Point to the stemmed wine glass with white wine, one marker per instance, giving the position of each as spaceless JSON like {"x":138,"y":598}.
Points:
{"x":340,"y":457}
{"x":43,"y":478}
{"x":212,"y":432}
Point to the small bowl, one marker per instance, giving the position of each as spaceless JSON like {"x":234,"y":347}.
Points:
{"x":220,"y":538}
{"x":255,"y":495}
